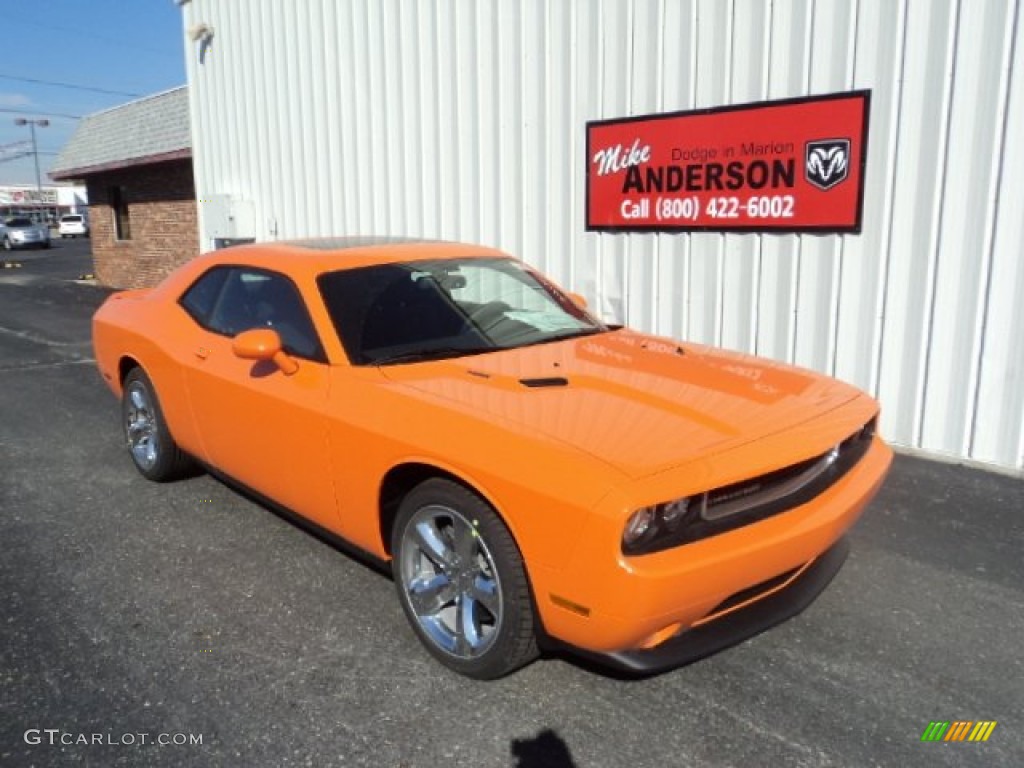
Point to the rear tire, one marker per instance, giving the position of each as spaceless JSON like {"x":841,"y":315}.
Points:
{"x":153,"y":450}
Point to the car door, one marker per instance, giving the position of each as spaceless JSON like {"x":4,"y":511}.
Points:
{"x":263,"y":428}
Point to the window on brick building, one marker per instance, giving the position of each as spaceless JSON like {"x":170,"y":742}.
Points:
{"x":122,"y":220}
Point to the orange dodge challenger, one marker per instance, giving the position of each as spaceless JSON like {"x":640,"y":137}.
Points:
{"x":532,"y":475}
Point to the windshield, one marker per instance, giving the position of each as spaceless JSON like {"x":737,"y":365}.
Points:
{"x":427,"y":310}
{"x":20,"y":223}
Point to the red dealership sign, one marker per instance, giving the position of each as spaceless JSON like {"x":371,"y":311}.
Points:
{"x":778,"y":166}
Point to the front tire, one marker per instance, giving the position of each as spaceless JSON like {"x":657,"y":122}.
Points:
{"x":461,"y":581}
{"x":153,"y":450}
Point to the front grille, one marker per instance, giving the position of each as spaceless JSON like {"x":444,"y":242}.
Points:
{"x":729,"y":507}
{"x":741,"y":496}
{"x":749,"y":501}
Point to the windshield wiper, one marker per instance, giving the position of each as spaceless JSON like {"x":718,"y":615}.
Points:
{"x":434,"y":353}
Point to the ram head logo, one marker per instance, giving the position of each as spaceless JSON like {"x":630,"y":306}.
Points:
{"x":827,"y":162}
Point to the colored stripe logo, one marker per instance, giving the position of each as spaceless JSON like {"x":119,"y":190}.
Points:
{"x":958,"y":730}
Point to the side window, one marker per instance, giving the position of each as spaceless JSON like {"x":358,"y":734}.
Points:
{"x":253,"y":298}
{"x":199,"y":300}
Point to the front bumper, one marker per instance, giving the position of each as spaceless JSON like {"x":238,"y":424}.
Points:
{"x":734,"y":627}
{"x":36,"y":242}
{"x":660,"y":610}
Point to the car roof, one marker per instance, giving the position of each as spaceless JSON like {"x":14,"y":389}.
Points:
{"x":320,"y":255}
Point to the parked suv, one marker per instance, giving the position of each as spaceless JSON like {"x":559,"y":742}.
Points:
{"x":73,"y":225}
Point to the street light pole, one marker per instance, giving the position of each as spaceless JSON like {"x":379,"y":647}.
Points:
{"x":42,"y":123}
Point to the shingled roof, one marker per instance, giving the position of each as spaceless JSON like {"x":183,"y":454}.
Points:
{"x":150,"y":130}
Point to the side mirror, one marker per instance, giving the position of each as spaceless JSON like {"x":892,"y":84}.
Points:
{"x":263,"y":344}
{"x":577,"y":299}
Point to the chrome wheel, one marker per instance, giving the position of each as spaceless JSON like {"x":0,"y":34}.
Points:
{"x":141,"y":426}
{"x":450,"y":581}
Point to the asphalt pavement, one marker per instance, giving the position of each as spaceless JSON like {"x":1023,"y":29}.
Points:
{"x":134,"y":613}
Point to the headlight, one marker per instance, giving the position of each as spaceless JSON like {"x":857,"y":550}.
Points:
{"x":647,"y":525}
{"x":638,"y":526}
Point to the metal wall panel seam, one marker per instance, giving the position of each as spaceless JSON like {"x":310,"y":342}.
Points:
{"x":888,"y":221}
{"x":297,"y":197}
{"x":933,"y":271}
{"x":655,"y":284}
{"x":348,"y":92}
{"x":620,"y":249}
{"x":426,"y":193}
{"x":441,"y":133}
{"x":688,"y":247}
{"x":391,"y":54}
{"x":228,"y":58}
{"x":464,"y":152}
{"x":794,"y":303}
{"x":840,"y":247}
{"x":747,"y":48}
{"x":485,"y":234}
{"x":254,"y":145}
{"x":375,"y":116}
{"x":766,"y":83}
{"x":508,"y":48}
{"x":320,"y":64}
{"x":436,"y":225}
{"x":521,"y":133}
{"x":640,"y":253}
{"x":412,"y":120}
{"x":567,"y":219}
{"x":279,"y":86}
{"x":543,"y":206}
{"x":577,"y":144}
{"x":311,"y":105}
{"x":759,"y":280}
{"x":601,"y":112}
{"x":551,"y":174}
{"x":992,"y":195}
{"x":816,"y":290}
{"x":720,"y":249}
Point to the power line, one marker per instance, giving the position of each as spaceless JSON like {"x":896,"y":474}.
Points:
{"x":69,"y":85}
{"x":37,"y":112}
{"x":78,"y":33}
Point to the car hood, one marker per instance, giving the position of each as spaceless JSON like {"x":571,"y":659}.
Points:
{"x":642,"y":404}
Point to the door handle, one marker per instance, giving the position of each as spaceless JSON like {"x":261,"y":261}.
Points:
{"x":202,"y":353}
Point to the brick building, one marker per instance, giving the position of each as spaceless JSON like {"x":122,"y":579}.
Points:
{"x":136,"y":163}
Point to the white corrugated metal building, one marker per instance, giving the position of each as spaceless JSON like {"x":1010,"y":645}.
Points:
{"x":466,"y":120}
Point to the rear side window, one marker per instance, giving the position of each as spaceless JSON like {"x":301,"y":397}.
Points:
{"x":229,"y":300}
{"x":201,"y":298}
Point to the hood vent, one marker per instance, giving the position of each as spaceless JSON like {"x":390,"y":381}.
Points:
{"x":551,"y":381}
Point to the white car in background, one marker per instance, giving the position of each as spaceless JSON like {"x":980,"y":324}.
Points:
{"x":22,"y":232}
{"x":73,"y":225}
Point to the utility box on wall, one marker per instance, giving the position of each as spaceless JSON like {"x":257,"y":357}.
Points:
{"x":228,"y":218}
